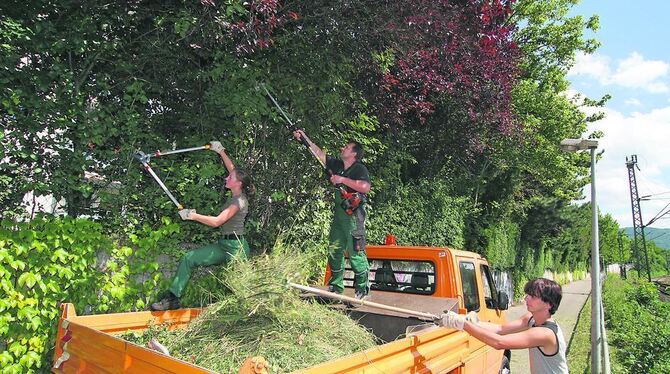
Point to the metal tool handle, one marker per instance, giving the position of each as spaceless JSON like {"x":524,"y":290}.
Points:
{"x":142,"y":158}
{"x":352,"y":300}
{"x":292,"y":126}
{"x":164,"y":153}
{"x":145,"y":158}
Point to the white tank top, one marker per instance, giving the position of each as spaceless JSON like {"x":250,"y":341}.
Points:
{"x":541,"y":363}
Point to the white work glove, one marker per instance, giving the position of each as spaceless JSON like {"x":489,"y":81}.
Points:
{"x":472,"y":317}
{"x":186,"y":214}
{"x":452,"y":320}
{"x":216,"y":146}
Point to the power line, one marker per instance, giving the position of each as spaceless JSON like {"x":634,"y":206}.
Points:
{"x":654,"y":194}
{"x":660,"y":214}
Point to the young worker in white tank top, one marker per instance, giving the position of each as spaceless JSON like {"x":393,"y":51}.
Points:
{"x":536,"y":330}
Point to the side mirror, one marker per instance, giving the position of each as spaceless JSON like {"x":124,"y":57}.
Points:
{"x":503,"y":301}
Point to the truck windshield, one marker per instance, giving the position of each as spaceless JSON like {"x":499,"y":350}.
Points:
{"x":406,"y":276}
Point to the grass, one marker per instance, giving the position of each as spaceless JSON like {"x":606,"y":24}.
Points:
{"x":258,"y":315}
{"x":579,"y":347}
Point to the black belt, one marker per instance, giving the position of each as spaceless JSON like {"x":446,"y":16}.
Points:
{"x":232,"y":237}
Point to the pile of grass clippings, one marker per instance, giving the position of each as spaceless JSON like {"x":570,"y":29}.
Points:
{"x":259,"y":315}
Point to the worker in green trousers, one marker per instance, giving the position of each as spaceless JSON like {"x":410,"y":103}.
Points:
{"x":232,"y":242}
{"x":347,"y":231}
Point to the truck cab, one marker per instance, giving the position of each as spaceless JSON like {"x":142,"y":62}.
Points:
{"x":431,"y":280}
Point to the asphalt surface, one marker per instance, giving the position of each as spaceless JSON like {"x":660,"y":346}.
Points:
{"x":574,"y":297}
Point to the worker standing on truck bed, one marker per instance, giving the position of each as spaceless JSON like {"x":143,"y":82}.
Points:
{"x":347,"y":230}
{"x":232,"y":241}
{"x":536,"y":330}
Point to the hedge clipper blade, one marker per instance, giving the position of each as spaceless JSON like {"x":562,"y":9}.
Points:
{"x":145,"y":159}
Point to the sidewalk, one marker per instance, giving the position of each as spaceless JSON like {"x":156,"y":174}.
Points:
{"x":574,"y":296}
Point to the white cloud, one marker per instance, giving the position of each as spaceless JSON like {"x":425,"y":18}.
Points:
{"x":644,"y":135}
{"x":631,"y":72}
{"x":633,"y":101}
{"x":592,"y":65}
{"x":636,"y":72}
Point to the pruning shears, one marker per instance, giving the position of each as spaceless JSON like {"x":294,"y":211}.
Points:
{"x":351,"y":200}
{"x":145,"y":160}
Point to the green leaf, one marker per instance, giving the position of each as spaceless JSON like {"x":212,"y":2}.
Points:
{"x":6,"y":285}
{"x":17,"y":265}
{"x":5,"y":359}
{"x":35,"y":323}
{"x":17,"y":349}
{"x":41,"y":285}
{"x":117,"y":292}
{"x":66,"y":273}
{"x":28,"y":279}
{"x":21,"y":249}
{"x":59,"y":255}
{"x":26,"y":313}
{"x":30,"y":359}
{"x":127,"y":251}
{"x":13,"y":369}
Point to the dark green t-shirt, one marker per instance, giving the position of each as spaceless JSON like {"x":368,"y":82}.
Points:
{"x":357,"y":171}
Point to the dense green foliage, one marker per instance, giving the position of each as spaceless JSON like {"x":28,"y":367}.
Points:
{"x":422,"y":213}
{"x":637,"y":326}
{"x":48,"y":261}
{"x":460,"y":105}
{"x":82,"y":93}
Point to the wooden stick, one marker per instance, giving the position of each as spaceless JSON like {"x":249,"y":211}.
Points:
{"x":352,"y":300}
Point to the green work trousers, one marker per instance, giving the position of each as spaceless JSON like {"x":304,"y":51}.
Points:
{"x":341,"y":238}
{"x":217,"y":253}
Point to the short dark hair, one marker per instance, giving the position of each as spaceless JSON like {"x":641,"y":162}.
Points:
{"x":547,"y":290}
{"x":358,"y":148}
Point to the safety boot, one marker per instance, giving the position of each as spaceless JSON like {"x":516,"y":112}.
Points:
{"x":169,"y":302}
{"x":362,"y":295}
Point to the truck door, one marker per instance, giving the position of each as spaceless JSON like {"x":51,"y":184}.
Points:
{"x":476,"y":360}
{"x":489,"y":290}
{"x":489,"y":313}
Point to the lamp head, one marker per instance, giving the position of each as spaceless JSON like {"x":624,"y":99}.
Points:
{"x":574,"y":145}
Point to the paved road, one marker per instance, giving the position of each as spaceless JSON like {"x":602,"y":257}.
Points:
{"x":574,"y":296}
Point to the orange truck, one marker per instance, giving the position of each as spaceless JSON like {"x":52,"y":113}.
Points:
{"x":426,"y":279}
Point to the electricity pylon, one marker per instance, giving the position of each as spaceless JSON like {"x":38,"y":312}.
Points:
{"x":638,"y":226}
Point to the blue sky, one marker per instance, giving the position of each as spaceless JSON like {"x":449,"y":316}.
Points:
{"x":633,"y":65}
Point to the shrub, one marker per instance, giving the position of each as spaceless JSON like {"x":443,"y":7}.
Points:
{"x":50,"y":260}
{"x":637,"y":325}
{"x":419,"y":214}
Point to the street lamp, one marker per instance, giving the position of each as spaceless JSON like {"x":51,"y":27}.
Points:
{"x":574,"y":145}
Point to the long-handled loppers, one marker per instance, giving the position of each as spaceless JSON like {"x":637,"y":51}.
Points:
{"x":145,"y":159}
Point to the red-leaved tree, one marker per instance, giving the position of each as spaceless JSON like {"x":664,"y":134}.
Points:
{"x":459,"y":51}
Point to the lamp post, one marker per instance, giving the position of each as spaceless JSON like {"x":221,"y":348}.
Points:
{"x":574,"y":145}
